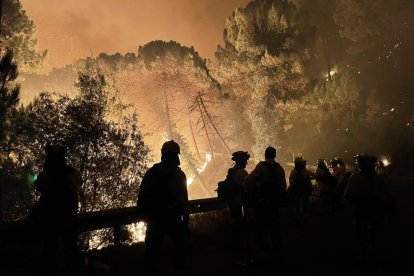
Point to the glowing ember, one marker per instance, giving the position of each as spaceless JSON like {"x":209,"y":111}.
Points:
{"x":331,"y":73}
{"x":386,"y":162}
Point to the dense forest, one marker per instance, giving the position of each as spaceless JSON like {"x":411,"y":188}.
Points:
{"x":319,"y":78}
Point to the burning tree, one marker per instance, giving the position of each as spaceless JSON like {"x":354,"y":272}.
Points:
{"x":307,"y":74}
{"x":178,"y":74}
{"x":262,"y":63}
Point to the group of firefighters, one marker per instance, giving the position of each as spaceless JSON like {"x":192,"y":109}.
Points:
{"x":329,"y":184}
{"x":163,"y":201}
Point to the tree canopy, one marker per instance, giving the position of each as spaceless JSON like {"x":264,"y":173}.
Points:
{"x":17,"y":32}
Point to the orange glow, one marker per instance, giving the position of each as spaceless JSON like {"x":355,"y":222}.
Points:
{"x":75,"y":29}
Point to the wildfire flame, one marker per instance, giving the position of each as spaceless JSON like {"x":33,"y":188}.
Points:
{"x":190,"y":180}
{"x":208,"y":159}
{"x":137,"y":230}
{"x":204,"y":166}
{"x":331,"y":73}
{"x":386,"y":162}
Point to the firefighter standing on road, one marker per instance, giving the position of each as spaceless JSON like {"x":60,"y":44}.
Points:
{"x":367,"y":193}
{"x":237,"y":174}
{"x":300,"y":188}
{"x":56,"y":210}
{"x":268,"y":182}
{"x":163,"y":203}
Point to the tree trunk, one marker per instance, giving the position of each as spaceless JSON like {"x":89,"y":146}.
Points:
{"x":193,"y":136}
{"x":205,"y":130}
{"x":1,"y":14}
{"x":352,"y":109}
{"x":203,"y":186}
{"x":83,"y":172}
{"x":167,"y":109}
{"x":1,"y":200}
{"x":196,"y":174}
{"x":327,"y":53}
{"x":211,"y":122}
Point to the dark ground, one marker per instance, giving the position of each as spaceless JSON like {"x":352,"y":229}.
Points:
{"x":324,"y":244}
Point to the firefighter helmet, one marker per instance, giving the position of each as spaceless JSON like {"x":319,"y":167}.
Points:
{"x":299,"y":160}
{"x":240,"y":155}
{"x":339,"y":160}
{"x":320,"y":161}
{"x":333,"y":163}
{"x":362,"y":159}
{"x":57,"y":149}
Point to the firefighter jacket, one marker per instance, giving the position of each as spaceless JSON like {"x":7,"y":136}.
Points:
{"x":163,"y":192}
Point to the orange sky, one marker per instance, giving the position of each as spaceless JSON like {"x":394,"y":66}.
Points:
{"x":70,"y":29}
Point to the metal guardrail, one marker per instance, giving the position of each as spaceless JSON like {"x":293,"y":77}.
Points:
{"x":112,"y":218}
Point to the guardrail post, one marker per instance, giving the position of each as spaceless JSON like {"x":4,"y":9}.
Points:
{"x":117,"y":235}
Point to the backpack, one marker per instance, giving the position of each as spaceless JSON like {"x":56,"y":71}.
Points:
{"x":300,"y":185}
{"x":227,"y":189}
{"x":271,"y":192}
{"x":330,"y":180}
{"x":327,"y":179}
{"x":57,"y":200}
{"x":160,"y":198}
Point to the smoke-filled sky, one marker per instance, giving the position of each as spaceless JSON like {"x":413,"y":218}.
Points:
{"x":78,"y":28}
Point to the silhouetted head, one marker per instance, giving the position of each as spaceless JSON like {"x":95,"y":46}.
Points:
{"x":300,"y":162}
{"x":55,"y":155}
{"x":365,"y":163}
{"x":240,"y":157}
{"x":321,"y":163}
{"x":171,"y":146}
{"x":169,"y":153}
{"x":333,"y":163}
{"x":270,"y":153}
{"x":339,"y":161}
